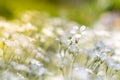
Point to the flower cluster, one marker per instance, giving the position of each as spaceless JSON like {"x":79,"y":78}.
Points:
{"x":97,"y":60}
{"x":29,"y":50}
{"x":71,"y":38}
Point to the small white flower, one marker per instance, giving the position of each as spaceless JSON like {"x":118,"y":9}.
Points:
{"x":20,"y":67}
{"x":110,"y":62}
{"x":6,"y":75}
{"x":80,"y":73}
{"x":103,"y":56}
{"x":116,"y":67}
{"x":82,"y":28}
{"x":35,"y":62}
{"x":77,"y":36}
{"x":41,"y":71}
{"x":73,"y":48}
{"x":74,"y":30}
{"x":64,"y":40}
{"x":37,"y":70}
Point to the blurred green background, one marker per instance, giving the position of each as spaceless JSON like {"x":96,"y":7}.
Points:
{"x":83,"y":11}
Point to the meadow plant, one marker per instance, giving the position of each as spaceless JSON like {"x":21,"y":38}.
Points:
{"x":97,"y":63}
{"x":29,"y":50}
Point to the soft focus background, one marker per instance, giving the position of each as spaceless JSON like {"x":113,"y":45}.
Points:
{"x":59,"y":39}
{"x":83,"y":11}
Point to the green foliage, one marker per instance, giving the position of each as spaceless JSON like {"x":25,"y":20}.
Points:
{"x":83,"y":11}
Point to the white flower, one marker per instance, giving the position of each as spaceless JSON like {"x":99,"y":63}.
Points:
{"x":74,"y":30}
{"x":20,"y":67}
{"x":35,"y":62}
{"x":41,"y":71}
{"x":80,"y":73}
{"x":82,"y":28}
{"x":38,"y":70}
{"x":6,"y":75}
{"x":64,"y":40}
{"x":72,"y":36}
{"x":116,"y":67}
{"x":101,"y":50}
{"x":73,"y":48}
{"x":78,"y":32}
{"x":113,"y":64}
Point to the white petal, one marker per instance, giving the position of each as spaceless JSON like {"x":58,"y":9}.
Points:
{"x":82,"y":28}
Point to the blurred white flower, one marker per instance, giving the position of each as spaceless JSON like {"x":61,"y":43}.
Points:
{"x":6,"y":75}
{"x":35,"y":62}
{"x":73,"y":48}
{"x":20,"y":67}
{"x":21,"y":76}
{"x":65,"y":41}
{"x":48,"y":31}
{"x":113,"y":64}
{"x":82,"y":28}
{"x":38,"y":70}
{"x":116,"y":67}
{"x":80,"y":73}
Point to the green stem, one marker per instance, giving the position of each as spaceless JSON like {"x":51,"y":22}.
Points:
{"x":62,"y":60}
{"x":4,"y":53}
{"x":63,"y":74}
{"x":86,"y":63}
{"x":71,"y":67}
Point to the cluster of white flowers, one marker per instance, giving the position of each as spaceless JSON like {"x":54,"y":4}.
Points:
{"x":29,"y":50}
{"x":72,"y":37}
{"x":20,"y":57}
{"x":99,"y":54}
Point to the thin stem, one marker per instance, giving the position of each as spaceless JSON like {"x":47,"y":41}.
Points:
{"x":97,"y":66}
{"x":63,"y":74}
{"x":86,"y":63}
{"x":93,"y":63}
{"x":4,"y":53}
{"x":62,"y":60}
{"x":106,"y":70}
{"x":71,"y":67}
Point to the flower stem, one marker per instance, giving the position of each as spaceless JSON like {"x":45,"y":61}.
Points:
{"x":71,"y":67}
{"x":63,"y":74}
{"x":62,"y":60}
